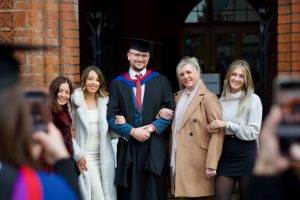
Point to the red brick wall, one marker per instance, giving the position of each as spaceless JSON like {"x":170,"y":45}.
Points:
{"x":39,"y":22}
{"x":289,"y":37}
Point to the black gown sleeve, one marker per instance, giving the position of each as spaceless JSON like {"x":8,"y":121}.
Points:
{"x":113,"y":107}
{"x":168,"y":96}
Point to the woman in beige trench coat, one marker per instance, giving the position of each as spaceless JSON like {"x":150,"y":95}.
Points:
{"x":194,"y":152}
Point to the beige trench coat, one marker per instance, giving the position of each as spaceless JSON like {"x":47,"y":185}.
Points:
{"x":196,"y":148}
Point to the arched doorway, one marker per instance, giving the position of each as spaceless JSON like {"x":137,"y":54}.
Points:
{"x":214,"y":31}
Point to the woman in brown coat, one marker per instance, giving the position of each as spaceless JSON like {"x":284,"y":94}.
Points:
{"x":194,"y":151}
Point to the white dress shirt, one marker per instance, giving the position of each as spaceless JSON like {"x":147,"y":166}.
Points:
{"x":132,"y":75}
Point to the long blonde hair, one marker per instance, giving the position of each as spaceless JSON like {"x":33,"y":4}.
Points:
{"x":247,"y":90}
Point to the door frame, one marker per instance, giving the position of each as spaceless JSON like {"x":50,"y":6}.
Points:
{"x":210,"y":33}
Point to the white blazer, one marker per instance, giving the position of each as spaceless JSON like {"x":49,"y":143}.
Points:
{"x":107,"y":157}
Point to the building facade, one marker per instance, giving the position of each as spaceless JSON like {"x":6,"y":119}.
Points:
{"x":90,"y":32}
{"x":50,"y":23}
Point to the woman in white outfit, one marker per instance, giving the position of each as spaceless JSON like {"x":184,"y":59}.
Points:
{"x":93,"y":150}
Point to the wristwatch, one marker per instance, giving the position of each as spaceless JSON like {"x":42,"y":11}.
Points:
{"x":149,"y":129}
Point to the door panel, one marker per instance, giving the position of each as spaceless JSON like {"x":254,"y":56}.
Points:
{"x":216,"y":47}
{"x":195,"y":45}
{"x":251,"y":52}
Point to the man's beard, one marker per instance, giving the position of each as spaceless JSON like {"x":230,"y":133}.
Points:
{"x":138,"y":69}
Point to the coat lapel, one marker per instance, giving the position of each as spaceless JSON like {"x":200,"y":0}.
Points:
{"x":80,"y":107}
{"x":197,"y":99}
{"x":83,"y":116}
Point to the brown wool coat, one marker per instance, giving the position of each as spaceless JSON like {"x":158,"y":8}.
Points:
{"x":196,"y":148}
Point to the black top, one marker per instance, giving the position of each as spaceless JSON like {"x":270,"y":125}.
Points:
{"x":8,"y":175}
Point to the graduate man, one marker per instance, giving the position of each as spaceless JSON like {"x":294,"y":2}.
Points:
{"x":138,"y":96}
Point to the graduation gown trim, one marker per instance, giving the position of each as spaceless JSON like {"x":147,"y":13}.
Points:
{"x":125,"y":78}
{"x":158,"y":94}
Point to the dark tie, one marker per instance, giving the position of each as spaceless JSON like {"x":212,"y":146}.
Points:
{"x":138,"y":95}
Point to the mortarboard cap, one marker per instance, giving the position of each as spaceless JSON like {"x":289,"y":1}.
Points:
{"x":9,"y":65}
{"x":142,"y":45}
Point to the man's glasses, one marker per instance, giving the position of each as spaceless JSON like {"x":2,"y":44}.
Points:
{"x":138,"y":55}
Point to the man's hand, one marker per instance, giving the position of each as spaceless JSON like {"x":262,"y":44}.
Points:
{"x":141,"y":134}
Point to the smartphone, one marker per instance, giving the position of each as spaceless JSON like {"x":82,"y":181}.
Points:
{"x":39,"y":109}
{"x":287,"y":97}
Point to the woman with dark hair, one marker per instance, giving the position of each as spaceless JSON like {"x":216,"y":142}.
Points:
{"x":93,"y":149}
{"x":20,"y":148}
{"x":60,"y":93}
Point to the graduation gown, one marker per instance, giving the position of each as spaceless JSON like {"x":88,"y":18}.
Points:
{"x":141,"y":167}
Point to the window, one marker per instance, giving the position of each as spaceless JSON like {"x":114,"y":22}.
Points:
{"x":223,"y":11}
{"x":194,"y":46}
{"x":198,"y":13}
